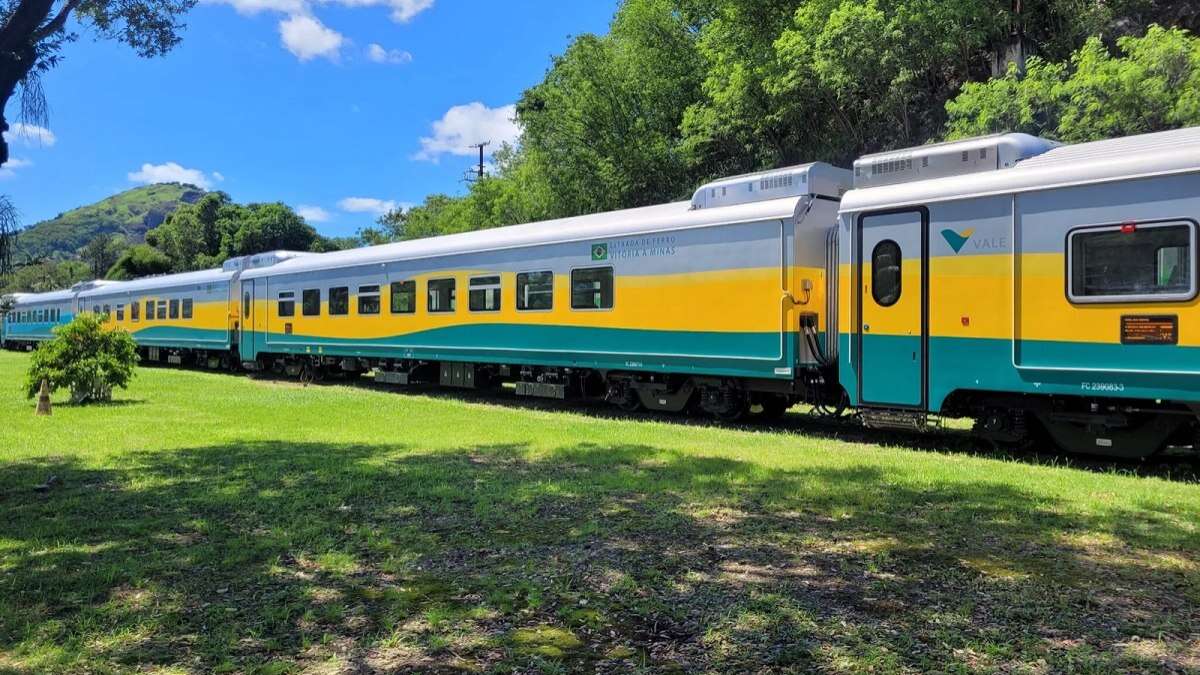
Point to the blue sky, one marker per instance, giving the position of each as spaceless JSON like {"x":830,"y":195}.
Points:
{"x":336,"y":107}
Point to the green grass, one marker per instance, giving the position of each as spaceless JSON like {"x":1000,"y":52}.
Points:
{"x":215,"y":523}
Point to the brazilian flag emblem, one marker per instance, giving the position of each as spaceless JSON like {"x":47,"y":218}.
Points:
{"x":599,"y":252}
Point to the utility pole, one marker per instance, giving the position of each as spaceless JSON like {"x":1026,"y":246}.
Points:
{"x":479,"y":172}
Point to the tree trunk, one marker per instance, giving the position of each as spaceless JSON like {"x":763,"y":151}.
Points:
{"x":18,"y":54}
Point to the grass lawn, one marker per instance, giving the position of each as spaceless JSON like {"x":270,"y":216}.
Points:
{"x":215,"y":523}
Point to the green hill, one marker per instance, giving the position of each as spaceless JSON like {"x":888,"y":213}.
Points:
{"x":130,"y":213}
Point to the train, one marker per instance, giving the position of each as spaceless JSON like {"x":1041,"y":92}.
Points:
{"x":1041,"y":289}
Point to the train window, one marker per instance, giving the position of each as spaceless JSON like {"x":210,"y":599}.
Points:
{"x":339,"y":301}
{"x":135,"y":310}
{"x":404,"y":297}
{"x":287,"y":303}
{"x":120,"y":312}
{"x":162,"y":310}
{"x":368,"y":299}
{"x":592,"y":288}
{"x":1130,"y":262}
{"x":246,"y":303}
{"x":174,"y":308}
{"x":535,"y":290}
{"x":442,"y":295}
{"x":96,"y":309}
{"x":484,"y":294}
{"x":886,"y":267}
{"x":108,"y":312}
{"x":311,"y":302}
{"x":149,"y":310}
{"x":187,"y":308}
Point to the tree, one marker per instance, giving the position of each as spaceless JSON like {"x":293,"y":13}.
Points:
{"x":47,"y":275}
{"x":10,"y":222}
{"x":85,"y":357}
{"x":1153,"y":85}
{"x":214,"y":229}
{"x":33,"y":33}
{"x":142,"y":260}
{"x":192,"y":235}
{"x":602,"y":129}
{"x":270,"y":227}
{"x":102,"y":252}
{"x":681,"y":91}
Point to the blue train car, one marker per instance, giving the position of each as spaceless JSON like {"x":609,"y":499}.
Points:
{"x":34,"y":316}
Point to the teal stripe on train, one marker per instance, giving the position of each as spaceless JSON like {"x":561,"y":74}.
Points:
{"x":183,"y":338}
{"x":1049,"y":367}
{"x":729,"y":354}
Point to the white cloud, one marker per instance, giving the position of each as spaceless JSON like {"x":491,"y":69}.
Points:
{"x":465,"y":125}
{"x":171,"y":172}
{"x":404,"y":10}
{"x":370,"y":205}
{"x":10,"y":167}
{"x":313,"y":214}
{"x":30,"y":134}
{"x":379,"y":54}
{"x":252,"y":7}
{"x":219,"y":176}
{"x":308,"y":38}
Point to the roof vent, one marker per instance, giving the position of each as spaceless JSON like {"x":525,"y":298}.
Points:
{"x":90,"y":285}
{"x":795,"y":181}
{"x":954,"y":158}
{"x":253,"y":262}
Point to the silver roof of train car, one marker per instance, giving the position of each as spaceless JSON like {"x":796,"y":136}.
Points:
{"x":163,"y":282}
{"x":24,"y":299}
{"x":1142,"y":156}
{"x":629,"y":222}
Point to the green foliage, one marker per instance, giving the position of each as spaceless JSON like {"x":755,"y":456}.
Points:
{"x":602,"y":129}
{"x":1152,"y":85}
{"x":142,"y":260}
{"x":130,"y":214}
{"x":86,"y":358}
{"x":681,"y":91}
{"x":46,"y":276}
{"x":204,"y":234}
{"x":103,"y":252}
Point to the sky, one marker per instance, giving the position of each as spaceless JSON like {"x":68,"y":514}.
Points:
{"x":340,"y":108}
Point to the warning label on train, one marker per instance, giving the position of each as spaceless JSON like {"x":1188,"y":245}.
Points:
{"x":1149,"y":330}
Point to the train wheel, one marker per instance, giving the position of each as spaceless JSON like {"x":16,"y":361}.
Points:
{"x":773,"y":407}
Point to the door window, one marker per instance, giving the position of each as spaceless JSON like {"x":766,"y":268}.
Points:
{"x":886,"y":270}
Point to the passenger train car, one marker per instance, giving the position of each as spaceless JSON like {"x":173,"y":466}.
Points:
{"x":1029,"y":285}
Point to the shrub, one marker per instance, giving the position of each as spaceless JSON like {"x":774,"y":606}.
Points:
{"x":85,"y":357}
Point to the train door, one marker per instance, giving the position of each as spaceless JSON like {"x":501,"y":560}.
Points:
{"x":246,"y":325}
{"x":893,"y":327}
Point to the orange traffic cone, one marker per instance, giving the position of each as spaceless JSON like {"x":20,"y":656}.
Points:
{"x":43,"y":406}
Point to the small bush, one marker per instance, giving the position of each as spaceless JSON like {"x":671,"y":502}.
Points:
{"x":85,"y":357}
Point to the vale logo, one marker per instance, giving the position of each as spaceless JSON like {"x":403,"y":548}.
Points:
{"x":957,"y":240}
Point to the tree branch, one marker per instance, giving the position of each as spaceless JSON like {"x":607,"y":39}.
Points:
{"x":57,"y":23}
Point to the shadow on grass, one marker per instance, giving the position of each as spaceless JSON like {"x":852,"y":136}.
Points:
{"x":279,"y":555}
{"x":1183,"y":468}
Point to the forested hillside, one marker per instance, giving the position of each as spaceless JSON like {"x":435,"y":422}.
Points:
{"x":129,"y":214}
{"x":680,"y":91}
